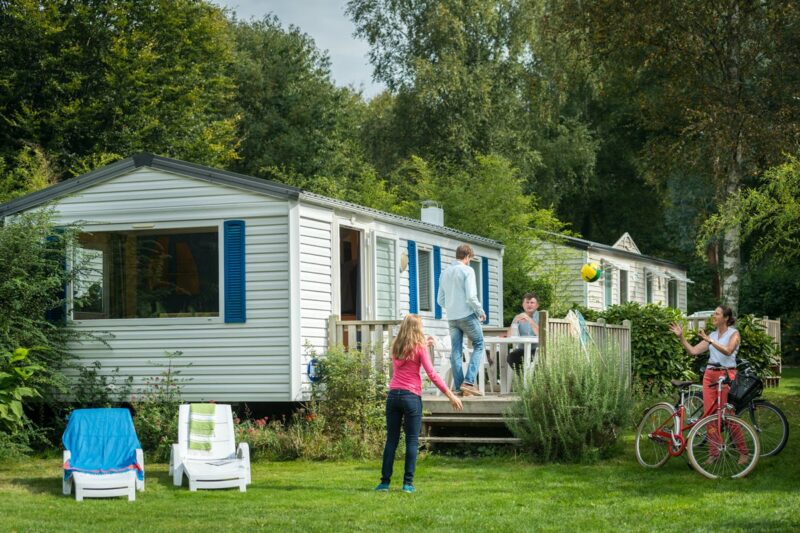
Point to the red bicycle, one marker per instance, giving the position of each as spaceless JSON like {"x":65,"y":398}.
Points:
{"x":719,"y":444}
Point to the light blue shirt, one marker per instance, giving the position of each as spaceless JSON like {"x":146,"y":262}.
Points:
{"x":718,"y":358}
{"x":458,"y":293}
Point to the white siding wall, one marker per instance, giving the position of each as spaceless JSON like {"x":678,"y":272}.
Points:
{"x":316,"y":283}
{"x":448,"y":255}
{"x":226,"y":362}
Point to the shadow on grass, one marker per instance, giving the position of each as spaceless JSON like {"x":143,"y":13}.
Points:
{"x":40,"y":485}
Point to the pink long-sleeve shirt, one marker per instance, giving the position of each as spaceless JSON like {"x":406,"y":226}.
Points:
{"x":407,"y":376}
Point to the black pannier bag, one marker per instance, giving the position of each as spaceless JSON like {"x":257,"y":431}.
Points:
{"x":744,"y":389}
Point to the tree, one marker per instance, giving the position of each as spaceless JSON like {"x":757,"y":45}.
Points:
{"x":464,"y":80}
{"x":712,"y":81}
{"x":485,"y":198}
{"x":769,"y":214}
{"x":82,"y":79}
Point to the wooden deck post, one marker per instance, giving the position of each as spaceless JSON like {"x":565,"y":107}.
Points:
{"x":333,"y":321}
{"x":543,"y":333}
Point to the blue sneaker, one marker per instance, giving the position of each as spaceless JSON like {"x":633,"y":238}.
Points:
{"x":383,"y":487}
{"x":409,"y":489}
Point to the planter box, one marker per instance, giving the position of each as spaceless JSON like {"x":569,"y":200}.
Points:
{"x":772,"y":381}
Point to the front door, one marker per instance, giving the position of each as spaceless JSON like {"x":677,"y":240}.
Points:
{"x":350,"y":273}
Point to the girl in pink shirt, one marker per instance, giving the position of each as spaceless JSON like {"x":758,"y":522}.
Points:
{"x":409,"y":351}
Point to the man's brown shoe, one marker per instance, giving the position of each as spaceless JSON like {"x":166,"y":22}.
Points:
{"x":470,"y":390}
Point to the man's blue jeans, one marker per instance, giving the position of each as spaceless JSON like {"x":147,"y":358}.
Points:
{"x":403,"y":408}
{"x":471,"y":327}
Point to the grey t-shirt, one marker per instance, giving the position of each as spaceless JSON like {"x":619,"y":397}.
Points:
{"x":525,"y":329}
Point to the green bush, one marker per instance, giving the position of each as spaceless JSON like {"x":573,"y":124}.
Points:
{"x":757,"y":346}
{"x":351,"y":399}
{"x":16,"y":371}
{"x":96,"y":389}
{"x":573,"y":407}
{"x":32,"y":281}
{"x":658,"y":356}
{"x":156,"y":411}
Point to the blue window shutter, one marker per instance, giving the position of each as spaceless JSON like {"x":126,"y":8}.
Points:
{"x":412,"y":278}
{"x":437,"y":271}
{"x":58,"y":315}
{"x":485,"y":280}
{"x":235,"y":289}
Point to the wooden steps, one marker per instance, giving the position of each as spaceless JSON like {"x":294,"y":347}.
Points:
{"x":482,"y":422}
{"x":470,"y":440}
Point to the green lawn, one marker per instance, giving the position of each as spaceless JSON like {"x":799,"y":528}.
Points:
{"x":453,"y":494}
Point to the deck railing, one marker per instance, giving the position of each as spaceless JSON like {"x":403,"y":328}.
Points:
{"x":373,"y":337}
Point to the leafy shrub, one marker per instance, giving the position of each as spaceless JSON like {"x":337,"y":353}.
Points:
{"x":350,"y":399}
{"x":156,"y":410}
{"x":574,"y":405}
{"x":95,"y":389}
{"x":658,"y":356}
{"x":16,"y":371}
{"x":276,"y":440}
{"x":757,"y":346}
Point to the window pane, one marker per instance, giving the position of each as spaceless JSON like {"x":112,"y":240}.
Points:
{"x":148,"y":274}
{"x":672,"y":293}
{"x":608,"y":277}
{"x":623,"y":286}
{"x":649,"y":288}
{"x":424,"y":279}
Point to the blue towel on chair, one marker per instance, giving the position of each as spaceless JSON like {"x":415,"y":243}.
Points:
{"x":102,"y":441}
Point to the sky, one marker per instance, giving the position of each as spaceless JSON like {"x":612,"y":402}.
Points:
{"x":326,"y":22}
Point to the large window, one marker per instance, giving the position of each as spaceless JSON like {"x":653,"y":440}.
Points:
{"x":424,"y":279}
{"x":148,"y":274}
{"x":648,"y":287}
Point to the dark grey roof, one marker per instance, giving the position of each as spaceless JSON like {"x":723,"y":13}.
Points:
{"x":130,"y":164}
{"x":397,"y":219}
{"x":584,"y":244}
{"x":223,"y":177}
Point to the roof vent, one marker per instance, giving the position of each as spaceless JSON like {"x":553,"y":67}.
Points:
{"x":432,"y":213}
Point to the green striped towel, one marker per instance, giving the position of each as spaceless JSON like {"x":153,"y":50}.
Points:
{"x":201,"y":425}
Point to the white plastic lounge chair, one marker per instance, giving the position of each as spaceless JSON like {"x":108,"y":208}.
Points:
{"x":103,"y":457}
{"x":222,"y":466}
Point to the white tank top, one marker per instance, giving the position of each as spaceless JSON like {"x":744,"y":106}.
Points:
{"x":717,"y":358}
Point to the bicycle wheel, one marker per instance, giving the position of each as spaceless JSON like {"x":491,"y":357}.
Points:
{"x":652,"y":450}
{"x":732,"y":452}
{"x":770,"y":423}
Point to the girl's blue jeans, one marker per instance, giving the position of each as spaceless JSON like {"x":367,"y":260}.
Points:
{"x":403,"y":408}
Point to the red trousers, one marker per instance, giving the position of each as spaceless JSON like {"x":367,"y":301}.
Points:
{"x":710,"y":379}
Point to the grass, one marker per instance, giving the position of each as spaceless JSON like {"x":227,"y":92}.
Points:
{"x":474,"y":494}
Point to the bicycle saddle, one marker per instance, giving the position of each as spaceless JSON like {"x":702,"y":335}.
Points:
{"x":679,"y":384}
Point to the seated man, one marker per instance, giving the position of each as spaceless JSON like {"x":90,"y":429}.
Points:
{"x":525,"y":324}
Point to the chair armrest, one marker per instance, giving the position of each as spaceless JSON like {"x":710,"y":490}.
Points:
{"x":243,"y":453}
{"x":176,"y":464}
{"x":66,"y":484}
{"x":140,"y":462}
{"x":174,"y":455}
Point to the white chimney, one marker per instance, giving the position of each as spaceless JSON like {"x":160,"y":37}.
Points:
{"x":432,"y":213}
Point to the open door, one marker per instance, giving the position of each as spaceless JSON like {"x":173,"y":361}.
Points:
{"x":350,"y":274}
